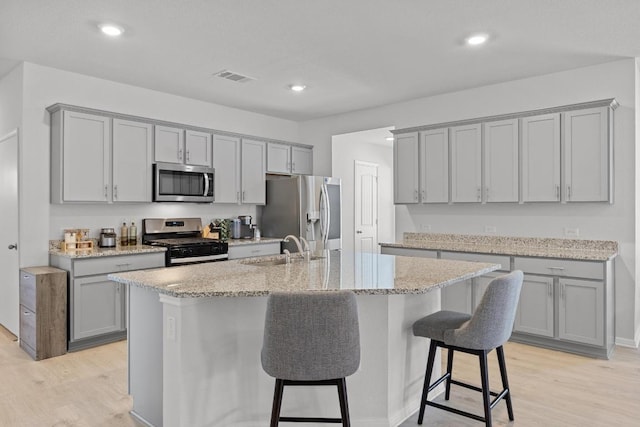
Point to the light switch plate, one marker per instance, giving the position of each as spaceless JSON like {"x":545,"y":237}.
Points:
{"x":490,"y":229}
{"x":571,"y":232}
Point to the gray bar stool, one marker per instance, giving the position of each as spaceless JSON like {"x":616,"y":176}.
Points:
{"x":489,"y":328}
{"x":311,"y":338}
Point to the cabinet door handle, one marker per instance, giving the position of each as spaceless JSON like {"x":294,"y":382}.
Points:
{"x":237,"y":196}
{"x":486,"y":194}
{"x":557,"y":192}
{"x":550,"y":289}
{"x":424,"y":195}
{"x":243,"y":195}
{"x":105,"y":191}
{"x":187,"y":155}
{"x":293,"y":166}
{"x":479,"y":193}
{"x":26,"y":313}
{"x":179,"y":153}
{"x":115,"y":192}
{"x":568,"y":192}
{"x":415,"y":195}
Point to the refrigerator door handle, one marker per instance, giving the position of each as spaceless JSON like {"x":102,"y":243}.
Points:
{"x":327,"y":212}
{"x":323,"y":214}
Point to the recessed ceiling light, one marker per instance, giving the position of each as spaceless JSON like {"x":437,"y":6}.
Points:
{"x":297,"y":88}
{"x":111,"y":29}
{"x":477,"y":39}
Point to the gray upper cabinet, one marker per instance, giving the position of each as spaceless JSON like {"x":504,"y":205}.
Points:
{"x":253,"y":171}
{"x":226,"y":162}
{"x":406,"y":168}
{"x":466,"y":163}
{"x":434,"y":166}
{"x":80,"y":157}
{"x":175,"y":145}
{"x":168,"y":144}
{"x":289,"y":159}
{"x":132,"y":148}
{"x":197,"y":148}
{"x":500,"y":164}
{"x":541,"y":158}
{"x":587,"y":155}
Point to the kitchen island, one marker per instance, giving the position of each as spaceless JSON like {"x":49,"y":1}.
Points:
{"x":195,"y":334}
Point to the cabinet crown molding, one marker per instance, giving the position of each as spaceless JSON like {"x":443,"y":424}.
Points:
{"x":60,"y":106}
{"x":609,"y":102}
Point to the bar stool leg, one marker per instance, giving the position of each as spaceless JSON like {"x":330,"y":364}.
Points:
{"x":505,"y":380}
{"x":427,"y":379}
{"x":449,"y":371}
{"x":486,"y":396}
{"x":277,"y":402}
{"x":344,"y":404}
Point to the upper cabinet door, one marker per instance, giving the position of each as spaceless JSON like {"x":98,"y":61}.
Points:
{"x":132,"y":146}
{"x":466,"y":163}
{"x":587,"y":155}
{"x":226,"y":162}
{"x":301,"y":160}
{"x":86,"y":157}
{"x":197,"y":148}
{"x":406,"y":168}
{"x":169,"y":144}
{"x":541,"y":158}
{"x":278,"y":158}
{"x":501,"y":161}
{"x":434,"y":166}
{"x":254,"y":168}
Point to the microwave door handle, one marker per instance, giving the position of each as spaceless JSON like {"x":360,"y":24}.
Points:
{"x":206,"y":184}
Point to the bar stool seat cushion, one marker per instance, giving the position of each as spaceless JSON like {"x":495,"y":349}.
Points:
{"x":435,"y":325}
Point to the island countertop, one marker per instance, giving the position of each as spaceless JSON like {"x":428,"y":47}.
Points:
{"x":383,"y":275}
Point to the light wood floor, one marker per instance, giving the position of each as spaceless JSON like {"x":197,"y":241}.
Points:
{"x":89,"y":388}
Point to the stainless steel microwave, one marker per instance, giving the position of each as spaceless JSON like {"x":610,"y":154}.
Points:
{"x":182,"y":183}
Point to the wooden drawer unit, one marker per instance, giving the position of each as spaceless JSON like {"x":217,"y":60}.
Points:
{"x":561,"y":267}
{"x":115,"y":264}
{"x":252,"y":250}
{"x":43,"y":311}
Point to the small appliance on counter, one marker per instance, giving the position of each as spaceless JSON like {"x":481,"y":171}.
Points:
{"x":241,"y":227}
{"x":107,"y":238}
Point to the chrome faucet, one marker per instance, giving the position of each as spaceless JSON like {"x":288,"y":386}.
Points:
{"x":307,"y":250}
{"x":287,"y":256}
{"x":297,"y":242}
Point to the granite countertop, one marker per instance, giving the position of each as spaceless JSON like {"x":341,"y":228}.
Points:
{"x":102,"y":252}
{"x":575,"y":249}
{"x":332,"y":270}
{"x":262,"y":240}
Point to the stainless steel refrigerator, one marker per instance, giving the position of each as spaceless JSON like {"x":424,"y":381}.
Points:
{"x":307,"y":206}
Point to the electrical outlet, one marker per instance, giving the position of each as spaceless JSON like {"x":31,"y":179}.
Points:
{"x":490,"y":229}
{"x":571,"y":232}
{"x":425,"y":227}
{"x":171,"y":328}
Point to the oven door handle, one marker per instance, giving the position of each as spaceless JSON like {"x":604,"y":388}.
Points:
{"x":199,"y":259}
{"x":206,"y":184}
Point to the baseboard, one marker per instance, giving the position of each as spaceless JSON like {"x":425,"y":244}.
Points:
{"x":626,"y":342}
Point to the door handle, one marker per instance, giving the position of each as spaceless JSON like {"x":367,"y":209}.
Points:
{"x":359,"y":232}
{"x":13,"y":246}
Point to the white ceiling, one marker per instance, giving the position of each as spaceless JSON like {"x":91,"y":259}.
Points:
{"x":352,"y":54}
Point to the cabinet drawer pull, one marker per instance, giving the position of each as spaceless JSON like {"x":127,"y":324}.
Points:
{"x":122,"y":265}
{"x":556,"y":268}
{"x":26,"y":313}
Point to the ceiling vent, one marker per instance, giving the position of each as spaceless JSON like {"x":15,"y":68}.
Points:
{"x":233,"y":76}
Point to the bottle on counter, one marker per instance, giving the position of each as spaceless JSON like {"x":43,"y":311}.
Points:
{"x":133,"y":234}
{"x":124,"y":235}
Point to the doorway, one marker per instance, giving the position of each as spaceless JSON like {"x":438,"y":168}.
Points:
{"x":9,"y":236}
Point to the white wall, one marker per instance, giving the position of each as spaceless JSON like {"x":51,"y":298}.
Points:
{"x":352,"y":147}
{"x":11,"y":101}
{"x":594,"y":220}
{"x":45,"y":86}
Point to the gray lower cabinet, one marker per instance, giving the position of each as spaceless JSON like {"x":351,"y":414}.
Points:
{"x":248,"y":250}
{"x":97,"y":306}
{"x":535,"y":307}
{"x":564,"y":304}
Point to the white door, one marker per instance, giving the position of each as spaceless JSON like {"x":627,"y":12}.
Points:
{"x":9,"y":255}
{"x":366,"y":207}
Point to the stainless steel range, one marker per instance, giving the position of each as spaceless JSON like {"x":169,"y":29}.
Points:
{"x":182,"y":238}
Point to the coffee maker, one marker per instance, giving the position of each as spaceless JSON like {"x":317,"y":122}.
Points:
{"x":242,"y":227}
